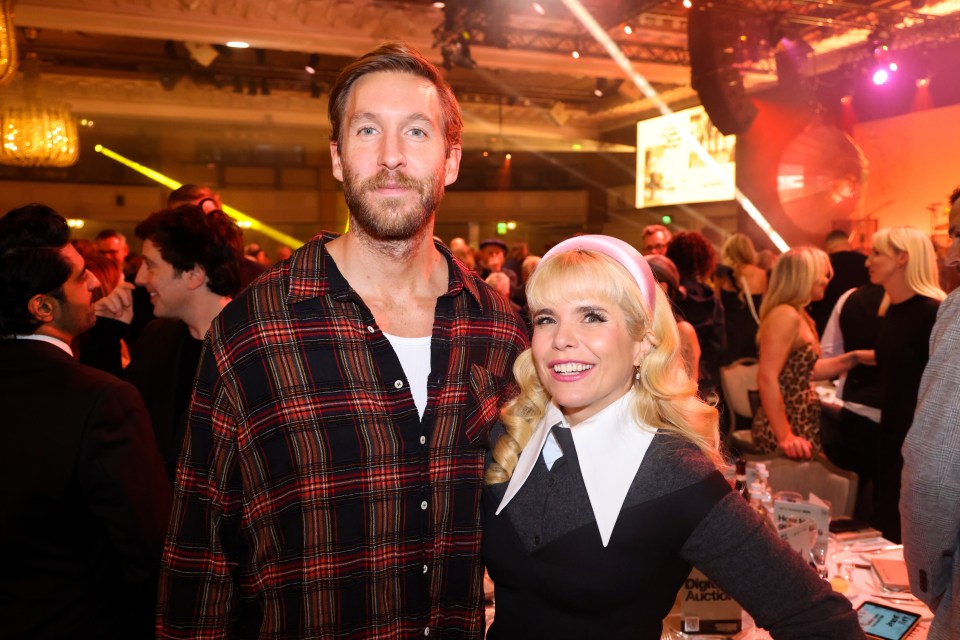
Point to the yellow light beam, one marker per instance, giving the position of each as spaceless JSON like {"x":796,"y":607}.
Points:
{"x":601,"y":36}
{"x":239,"y":216}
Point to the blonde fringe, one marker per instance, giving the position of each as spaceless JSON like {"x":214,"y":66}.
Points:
{"x":666,"y":396}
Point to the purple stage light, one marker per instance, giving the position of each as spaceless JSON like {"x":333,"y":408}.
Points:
{"x":880,"y":76}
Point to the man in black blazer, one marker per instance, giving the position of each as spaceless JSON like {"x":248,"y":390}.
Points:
{"x":83,"y":495}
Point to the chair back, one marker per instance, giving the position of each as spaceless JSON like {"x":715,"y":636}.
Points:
{"x":738,"y":379}
{"x":819,"y":476}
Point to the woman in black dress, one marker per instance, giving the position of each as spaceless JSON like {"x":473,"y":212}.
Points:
{"x":603,"y":488}
{"x":904,"y":262}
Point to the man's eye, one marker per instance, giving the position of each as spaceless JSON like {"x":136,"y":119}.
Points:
{"x":367,"y":131}
{"x":418,"y":133}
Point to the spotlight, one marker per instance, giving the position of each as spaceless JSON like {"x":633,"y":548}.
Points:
{"x":539,"y":8}
{"x":627,"y":29}
{"x":687,"y":4}
{"x":923,"y":82}
{"x":846,"y":100}
{"x":238,"y":44}
{"x":893,"y":66}
{"x":575,"y":54}
{"x":881,"y":76}
{"x":312,"y":64}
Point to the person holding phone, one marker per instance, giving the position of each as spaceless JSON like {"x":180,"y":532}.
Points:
{"x":603,"y":489}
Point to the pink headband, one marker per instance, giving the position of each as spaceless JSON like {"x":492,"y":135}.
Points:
{"x":620,"y":251}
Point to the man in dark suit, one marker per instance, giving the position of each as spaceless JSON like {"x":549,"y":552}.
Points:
{"x":191,"y":269}
{"x":849,"y":272}
{"x":83,"y":495}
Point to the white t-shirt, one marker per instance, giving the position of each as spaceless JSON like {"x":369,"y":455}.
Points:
{"x":414,"y":356}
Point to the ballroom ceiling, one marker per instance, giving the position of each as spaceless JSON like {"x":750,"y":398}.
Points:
{"x":509,"y":61}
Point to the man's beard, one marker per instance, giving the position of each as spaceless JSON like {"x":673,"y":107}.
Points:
{"x":386,"y":218}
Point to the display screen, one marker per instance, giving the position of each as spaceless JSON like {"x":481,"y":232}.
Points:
{"x":881,"y":621}
{"x":669,"y":171}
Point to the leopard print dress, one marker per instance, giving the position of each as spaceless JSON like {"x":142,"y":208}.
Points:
{"x":800,"y":400}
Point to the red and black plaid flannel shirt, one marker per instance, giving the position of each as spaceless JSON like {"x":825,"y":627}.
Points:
{"x":311,"y":500}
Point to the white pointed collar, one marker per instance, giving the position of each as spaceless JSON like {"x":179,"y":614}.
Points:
{"x":610,"y":447}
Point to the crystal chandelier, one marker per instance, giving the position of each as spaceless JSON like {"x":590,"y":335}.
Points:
{"x":8,"y":44}
{"x":35,"y":132}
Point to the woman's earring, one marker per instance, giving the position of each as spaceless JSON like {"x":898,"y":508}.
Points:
{"x":636,"y":372}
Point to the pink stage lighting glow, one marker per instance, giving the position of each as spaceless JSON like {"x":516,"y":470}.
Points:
{"x":880,"y":76}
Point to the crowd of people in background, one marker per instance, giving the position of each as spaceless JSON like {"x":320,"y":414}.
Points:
{"x":325,"y":417}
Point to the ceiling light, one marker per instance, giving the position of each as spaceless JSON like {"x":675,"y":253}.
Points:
{"x":575,"y":54}
{"x":539,"y":8}
{"x":893,"y":66}
{"x":880,"y":76}
{"x":312,"y":64}
{"x":439,"y":5}
{"x":509,"y":156}
{"x":627,"y":29}
{"x":688,"y":4}
{"x":923,"y":82}
{"x":238,"y":44}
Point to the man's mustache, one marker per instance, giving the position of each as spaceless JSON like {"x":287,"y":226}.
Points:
{"x":390,"y":180}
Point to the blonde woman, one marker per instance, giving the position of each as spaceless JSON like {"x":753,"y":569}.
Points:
{"x":903,"y":262}
{"x":789,"y":415}
{"x":603,"y":489}
{"x":741,"y":284}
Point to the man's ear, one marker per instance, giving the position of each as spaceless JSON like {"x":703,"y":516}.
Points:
{"x":337,"y":162}
{"x":195,"y":277}
{"x":41,"y":307}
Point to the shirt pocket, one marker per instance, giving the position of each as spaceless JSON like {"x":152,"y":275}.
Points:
{"x":483,"y":409}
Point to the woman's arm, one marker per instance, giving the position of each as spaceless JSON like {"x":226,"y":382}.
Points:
{"x":778,"y":334}
{"x":830,"y":368}
{"x":690,"y":349}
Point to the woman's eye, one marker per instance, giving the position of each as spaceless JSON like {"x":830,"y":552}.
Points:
{"x":418,"y":133}
{"x":594,"y":316}
{"x":542,"y":320}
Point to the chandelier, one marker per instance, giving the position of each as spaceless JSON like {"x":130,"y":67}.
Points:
{"x":8,"y":44}
{"x":37,"y":134}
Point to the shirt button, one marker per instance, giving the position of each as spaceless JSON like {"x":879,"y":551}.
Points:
{"x":423,"y":439}
{"x":424,"y":568}
{"x":398,"y":384}
{"x":370,"y":328}
{"x":426,"y":631}
{"x":424,"y":505}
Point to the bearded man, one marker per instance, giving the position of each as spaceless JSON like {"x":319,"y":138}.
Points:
{"x":331,"y":476}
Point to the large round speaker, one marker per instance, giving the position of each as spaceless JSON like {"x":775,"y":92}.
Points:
{"x":711,"y":38}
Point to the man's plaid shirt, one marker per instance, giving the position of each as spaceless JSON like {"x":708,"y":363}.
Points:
{"x":311,"y":500}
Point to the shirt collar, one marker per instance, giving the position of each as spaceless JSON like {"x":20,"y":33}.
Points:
{"x":313,"y":273}
{"x":60,"y":344}
{"x":610,"y":448}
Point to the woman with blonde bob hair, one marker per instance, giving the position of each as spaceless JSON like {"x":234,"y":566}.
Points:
{"x":904,"y":263}
{"x":602,"y":489}
{"x":790,"y":356}
{"x":741,"y":284}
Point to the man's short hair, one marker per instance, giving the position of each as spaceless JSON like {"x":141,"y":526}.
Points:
{"x":185,"y":236}
{"x":397,"y":57}
{"x":837,"y":235}
{"x":192,"y":194}
{"x":110,"y":233}
{"x":651,"y":229}
{"x":955,"y":196}
{"x":31,"y":238}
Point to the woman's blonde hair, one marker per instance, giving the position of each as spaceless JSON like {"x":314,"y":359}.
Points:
{"x":666,"y":396}
{"x":793,"y":277}
{"x":921,"y":273}
{"x":738,"y":250}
